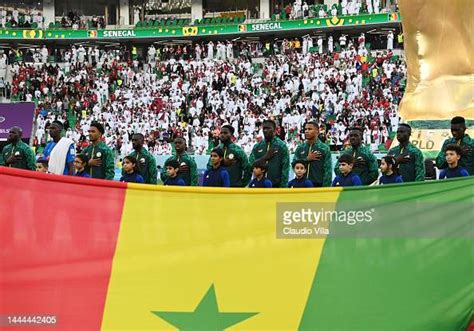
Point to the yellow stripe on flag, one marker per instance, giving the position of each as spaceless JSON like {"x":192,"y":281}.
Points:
{"x":174,"y":245}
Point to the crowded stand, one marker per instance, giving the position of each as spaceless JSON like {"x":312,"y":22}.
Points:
{"x":19,"y":17}
{"x":200,"y":92}
{"x":194,"y":90}
{"x":301,"y":9}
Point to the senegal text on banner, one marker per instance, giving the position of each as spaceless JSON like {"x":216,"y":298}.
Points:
{"x":112,"y":256}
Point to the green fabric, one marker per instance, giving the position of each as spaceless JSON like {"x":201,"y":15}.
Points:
{"x":27,"y":161}
{"x":278,"y":166}
{"x":410,"y":282}
{"x":466,"y":161}
{"x":146,"y":165}
{"x":436,"y":124}
{"x":190,"y":177}
{"x":369,"y":172}
{"x":319,"y":171}
{"x":101,"y":151}
{"x":241,"y":172}
{"x":415,"y":169}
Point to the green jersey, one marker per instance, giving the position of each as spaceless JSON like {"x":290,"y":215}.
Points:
{"x":278,"y":166}
{"x":22,"y":150}
{"x":100,"y":151}
{"x":368,"y":172}
{"x":415,"y":169}
{"x":319,"y":171}
{"x":467,"y":159}
{"x":241,"y":172}
{"x":146,"y":165}
{"x":190,"y":177}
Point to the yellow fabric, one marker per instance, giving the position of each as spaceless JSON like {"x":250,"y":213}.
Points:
{"x":186,"y":239}
{"x":439,"y":43}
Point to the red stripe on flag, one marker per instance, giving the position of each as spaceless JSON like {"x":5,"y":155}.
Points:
{"x":57,"y":240}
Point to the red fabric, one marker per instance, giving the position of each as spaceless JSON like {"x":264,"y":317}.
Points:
{"x":49,"y":239}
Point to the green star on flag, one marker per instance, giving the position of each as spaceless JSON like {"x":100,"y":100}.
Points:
{"x":205,"y":317}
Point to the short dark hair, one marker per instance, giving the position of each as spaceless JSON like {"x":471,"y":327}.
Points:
{"x":172,"y":163}
{"x":405,"y":126}
{"x":454,"y":148}
{"x":180,"y":138}
{"x":84,"y":158}
{"x":98,"y":126}
{"x":271,"y":122}
{"x":260,"y":164}
{"x":44,"y":161}
{"x":230,"y":128}
{"x":346,"y":158}
{"x":458,"y":120}
{"x":142,"y":137}
{"x":58,"y":123}
{"x":304,"y":163}
{"x":218,"y":151}
{"x":132,"y":159}
{"x":356,"y":128}
{"x":314,"y":123}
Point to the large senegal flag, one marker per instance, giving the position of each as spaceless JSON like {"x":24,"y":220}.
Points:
{"x":111,"y":256}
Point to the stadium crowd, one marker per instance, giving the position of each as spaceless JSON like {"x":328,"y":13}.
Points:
{"x":192,"y":91}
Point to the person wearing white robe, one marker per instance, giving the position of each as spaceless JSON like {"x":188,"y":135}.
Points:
{"x":230,"y":51}
{"x":210,"y":50}
{"x":344,"y":7}
{"x":370,"y":8}
{"x":330,"y":44}
{"x":377,"y":6}
{"x":320,"y":45}
{"x":304,"y":50}
{"x":390,"y":40}
{"x":198,"y":52}
{"x":310,"y":43}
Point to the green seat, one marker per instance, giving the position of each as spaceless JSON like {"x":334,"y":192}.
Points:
{"x":156,"y":23}
{"x":57,"y":25}
{"x":174,"y":22}
{"x":197,"y":21}
{"x":51,"y":25}
{"x":34,"y":25}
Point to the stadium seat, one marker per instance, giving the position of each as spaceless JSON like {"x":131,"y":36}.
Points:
{"x":51,"y":25}
{"x":156,"y":23}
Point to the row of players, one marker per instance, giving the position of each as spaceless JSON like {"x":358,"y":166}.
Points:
{"x":269,"y":159}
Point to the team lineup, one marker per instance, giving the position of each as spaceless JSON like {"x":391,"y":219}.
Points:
{"x":269,"y":161}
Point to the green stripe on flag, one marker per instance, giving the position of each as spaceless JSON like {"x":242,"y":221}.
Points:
{"x":402,"y":283}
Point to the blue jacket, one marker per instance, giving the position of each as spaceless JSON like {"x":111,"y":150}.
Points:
{"x":174,"y":181}
{"x":350,"y":179}
{"x":82,"y":174}
{"x":216,"y":177}
{"x":392,"y":179}
{"x":265,"y":182}
{"x":453,"y":172}
{"x":134,"y":177}
{"x":301,"y":182}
